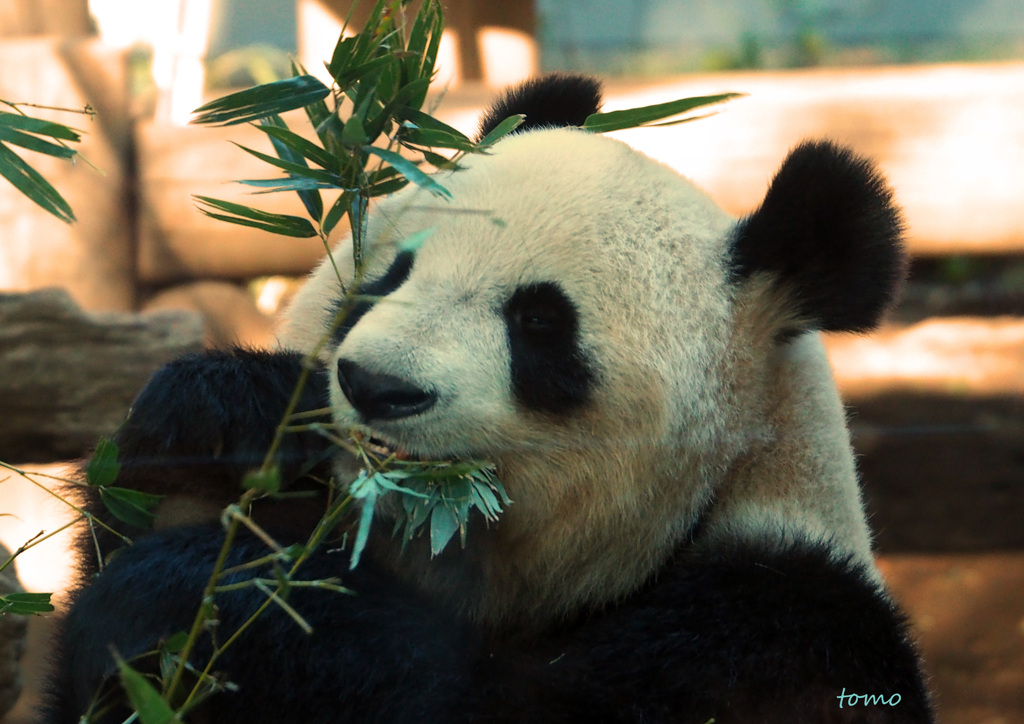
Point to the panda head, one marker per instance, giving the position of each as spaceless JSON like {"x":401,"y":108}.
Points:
{"x":615,"y":343}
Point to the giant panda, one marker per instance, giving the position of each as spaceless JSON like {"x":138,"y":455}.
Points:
{"x":686,"y":541}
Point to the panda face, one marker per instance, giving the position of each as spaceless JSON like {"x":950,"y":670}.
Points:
{"x":560,"y":321}
{"x":544,"y":297}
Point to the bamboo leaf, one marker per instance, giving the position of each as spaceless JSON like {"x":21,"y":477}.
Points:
{"x":635,"y":117}
{"x":430,"y":138}
{"x":338,"y":210}
{"x":317,"y":111}
{"x":295,"y":169}
{"x":262,"y":101}
{"x":289,"y":183}
{"x":354,"y":134}
{"x":145,"y":699}
{"x":363,"y":532}
{"x":25,"y":604}
{"x":283,"y":224}
{"x":443,"y":525}
{"x":267,"y":481}
{"x":292,"y":147}
{"x":103,"y":467}
{"x":131,"y":506}
{"x":39,"y":127}
{"x":502,"y":129}
{"x":29,"y":182}
{"x":410,"y":171}
{"x":31,"y":143}
{"x":425,"y":121}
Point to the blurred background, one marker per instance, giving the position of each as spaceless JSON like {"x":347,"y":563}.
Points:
{"x":933,"y":90}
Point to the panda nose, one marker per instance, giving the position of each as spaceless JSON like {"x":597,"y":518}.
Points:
{"x":378,"y":396}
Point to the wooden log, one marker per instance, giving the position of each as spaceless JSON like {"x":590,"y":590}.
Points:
{"x":68,"y":377}
{"x":949,"y":137}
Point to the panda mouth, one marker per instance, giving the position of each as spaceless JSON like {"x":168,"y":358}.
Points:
{"x":381,"y":448}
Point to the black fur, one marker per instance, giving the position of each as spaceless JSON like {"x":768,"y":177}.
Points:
{"x":829,"y":230}
{"x":550,"y":373}
{"x":202,"y":422}
{"x":393,"y":278}
{"x":551,"y":101}
{"x":742,"y":634}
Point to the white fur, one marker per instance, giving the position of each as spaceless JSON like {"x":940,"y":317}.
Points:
{"x":695,"y":400}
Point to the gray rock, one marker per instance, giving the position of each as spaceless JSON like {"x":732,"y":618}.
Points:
{"x":68,"y":377}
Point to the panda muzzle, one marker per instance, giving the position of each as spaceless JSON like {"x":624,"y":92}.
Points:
{"x":380,"y":396}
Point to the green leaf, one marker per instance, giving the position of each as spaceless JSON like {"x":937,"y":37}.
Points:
{"x":29,"y":182}
{"x":262,"y":101}
{"x":426,"y":130}
{"x":145,"y":698}
{"x":295,"y":169}
{"x":31,"y":143}
{"x":103,"y":467}
{"x":131,"y":506}
{"x":363,"y":532}
{"x":354,"y":134}
{"x":502,"y":129}
{"x":635,"y":117}
{"x":486,"y":501}
{"x":283,"y":224}
{"x":175,"y":643}
{"x":267,"y":481}
{"x":39,"y":127}
{"x":410,"y":171}
{"x":361,"y":72}
{"x":289,"y":183}
{"x":338,"y":210}
{"x":443,"y":525}
{"x":290,"y":146}
{"x":25,"y":604}
{"x":406,"y":97}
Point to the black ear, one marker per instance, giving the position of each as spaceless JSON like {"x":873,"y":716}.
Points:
{"x":830,"y":232}
{"x":551,"y":101}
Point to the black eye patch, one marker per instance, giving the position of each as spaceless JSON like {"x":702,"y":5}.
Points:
{"x":393,"y":278}
{"x":550,"y":372}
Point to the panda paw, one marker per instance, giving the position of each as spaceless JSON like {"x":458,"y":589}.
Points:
{"x":206,"y":419}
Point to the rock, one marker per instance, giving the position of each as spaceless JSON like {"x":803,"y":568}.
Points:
{"x":68,"y":377}
{"x":230,"y":312}
{"x":13,"y":634}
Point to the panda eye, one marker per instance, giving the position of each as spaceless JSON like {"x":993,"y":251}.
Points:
{"x":537,"y":321}
{"x":541,"y":310}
